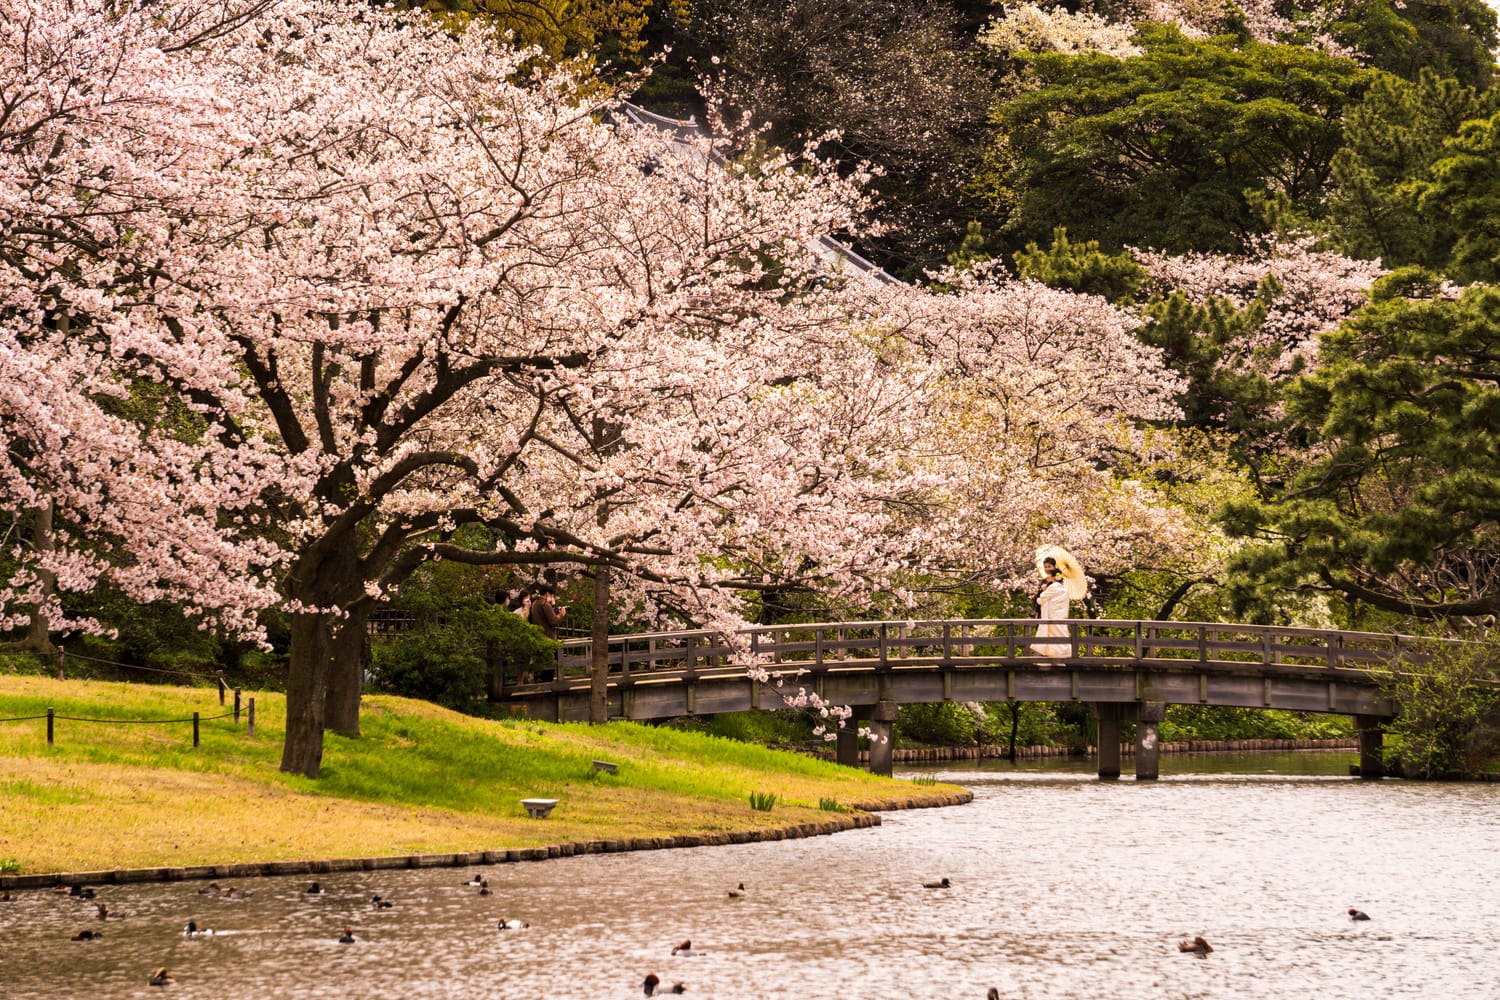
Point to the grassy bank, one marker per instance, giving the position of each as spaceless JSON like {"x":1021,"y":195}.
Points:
{"x":421,"y":779}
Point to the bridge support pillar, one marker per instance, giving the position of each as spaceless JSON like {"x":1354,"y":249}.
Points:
{"x":1108,"y":715}
{"x":847,"y":747}
{"x":883,"y":738}
{"x":1371,"y":737}
{"x":1147,"y":740}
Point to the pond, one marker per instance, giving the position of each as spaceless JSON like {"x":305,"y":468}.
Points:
{"x":1059,"y":886}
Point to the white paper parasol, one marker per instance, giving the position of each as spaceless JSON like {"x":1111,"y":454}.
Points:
{"x":1072,"y":570}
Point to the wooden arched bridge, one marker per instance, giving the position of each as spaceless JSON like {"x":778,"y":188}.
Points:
{"x":1127,"y":671}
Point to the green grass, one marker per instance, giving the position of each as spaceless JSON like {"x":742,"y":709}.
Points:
{"x":765,"y":728}
{"x":419,"y":779}
{"x":762,"y":801}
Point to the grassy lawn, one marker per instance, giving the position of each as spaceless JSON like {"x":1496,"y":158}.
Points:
{"x":420,"y":779}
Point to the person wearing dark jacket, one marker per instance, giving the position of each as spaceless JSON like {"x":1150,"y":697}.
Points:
{"x":545,"y":614}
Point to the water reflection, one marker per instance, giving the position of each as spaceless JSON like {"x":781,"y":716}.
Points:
{"x":1062,"y":886}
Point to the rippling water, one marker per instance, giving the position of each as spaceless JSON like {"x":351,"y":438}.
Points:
{"x":1062,"y":886}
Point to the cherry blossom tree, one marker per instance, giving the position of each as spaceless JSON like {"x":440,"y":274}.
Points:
{"x":1040,"y":411}
{"x":387,"y":283}
{"x":1310,"y":292}
{"x":292,"y":293}
{"x":1029,"y":28}
{"x":94,"y":158}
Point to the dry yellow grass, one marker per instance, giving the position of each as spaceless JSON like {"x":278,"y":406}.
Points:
{"x":126,"y":817}
{"x":421,"y":779}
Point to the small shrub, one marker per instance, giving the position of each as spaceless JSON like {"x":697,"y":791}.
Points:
{"x":924,"y":779}
{"x":762,"y":801}
{"x":1037,"y":724}
{"x":1446,"y":713}
{"x":9,"y":866}
{"x":1213,"y":722}
{"x":444,"y":658}
{"x":830,"y":805}
{"x":947,"y":724}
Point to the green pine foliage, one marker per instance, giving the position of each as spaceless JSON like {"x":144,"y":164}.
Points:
{"x":1397,"y":505}
{"x":1383,"y":202}
{"x":1160,"y":149}
{"x":1082,"y":267}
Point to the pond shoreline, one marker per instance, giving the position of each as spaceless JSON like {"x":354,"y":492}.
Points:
{"x":862,"y":815}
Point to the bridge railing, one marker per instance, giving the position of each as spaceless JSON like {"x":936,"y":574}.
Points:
{"x":820,"y":647}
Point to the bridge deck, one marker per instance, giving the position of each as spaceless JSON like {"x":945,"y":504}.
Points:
{"x":657,"y":675}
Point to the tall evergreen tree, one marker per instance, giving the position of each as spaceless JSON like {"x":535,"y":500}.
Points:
{"x":1398,"y":505}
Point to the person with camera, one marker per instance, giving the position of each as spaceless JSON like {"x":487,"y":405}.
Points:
{"x":545,"y":614}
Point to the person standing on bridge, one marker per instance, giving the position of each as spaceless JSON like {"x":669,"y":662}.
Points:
{"x":1062,"y":582}
{"x":545,"y":614}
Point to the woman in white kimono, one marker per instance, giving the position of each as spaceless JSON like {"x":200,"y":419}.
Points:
{"x":1062,"y":579}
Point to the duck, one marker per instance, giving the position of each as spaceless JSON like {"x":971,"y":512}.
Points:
{"x":477,"y":881}
{"x":88,"y":936}
{"x":80,"y":892}
{"x":940,"y":884}
{"x":60,"y":887}
{"x":233,"y":893}
{"x":161,"y":977}
{"x":1358,"y":914}
{"x":654,"y":988}
{"x":5,"y":897}
{"x":1197,"y":946}
{"x":104,"y":913}
{"x":348,"y":936}
{"x":212,"y":889}
{"x":511,"y":925}
{"x":992,"y":994}
{"x":193,"y":930}
{"x":314,"y":890}
{"x":685,"y":950}
{"x":380,"y":903}
{"x":737,"y":893}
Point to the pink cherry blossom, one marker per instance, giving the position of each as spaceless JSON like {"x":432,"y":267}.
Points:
{"x":294,"y":292}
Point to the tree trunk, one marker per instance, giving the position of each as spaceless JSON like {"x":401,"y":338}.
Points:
{"x":327,"y":649}
{"x":306,"y":684}
{"x":38,"y":634}
{"x":1015,"y":722}
{"x":599,"y":661}
{"x":346,"y":674}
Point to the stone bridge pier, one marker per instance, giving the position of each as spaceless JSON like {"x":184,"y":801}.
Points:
{"x":1147,"y":716}
{"x":881,"y":720}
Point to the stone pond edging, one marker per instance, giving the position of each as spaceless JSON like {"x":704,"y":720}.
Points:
{"x":861,"y":818}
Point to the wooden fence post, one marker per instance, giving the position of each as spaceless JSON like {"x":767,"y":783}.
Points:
{"x":49,"y":727}
{"x":236,"y":706}
{"x":252,"y":715}
{"x":195,"y":730}
{"x":60,"y":675}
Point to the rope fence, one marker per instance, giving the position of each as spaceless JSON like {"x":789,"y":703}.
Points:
{"x":217,"y":677}
{"x":61,"y":653}
{"x":197,"y":718}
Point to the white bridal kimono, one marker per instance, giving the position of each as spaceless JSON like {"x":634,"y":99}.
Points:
{"x":1054,"y":616}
